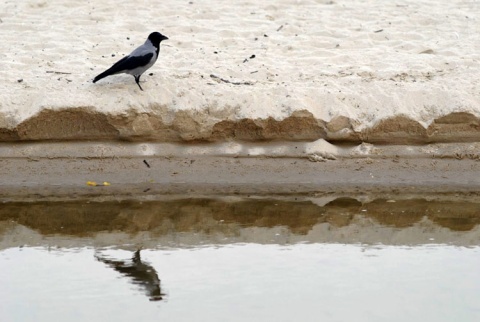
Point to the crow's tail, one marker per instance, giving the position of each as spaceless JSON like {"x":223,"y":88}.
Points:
{"x":118,"y":67}
{"x":106,"y":73}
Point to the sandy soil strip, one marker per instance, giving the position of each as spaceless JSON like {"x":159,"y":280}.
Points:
{"x":140,"y":176}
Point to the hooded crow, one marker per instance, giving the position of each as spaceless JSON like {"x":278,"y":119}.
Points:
{"x":138,"y":61}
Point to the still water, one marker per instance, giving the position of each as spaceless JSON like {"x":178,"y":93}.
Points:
{"x":235,"y":259}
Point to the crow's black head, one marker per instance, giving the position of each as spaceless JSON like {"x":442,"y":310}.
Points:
{"x":156,"y":37}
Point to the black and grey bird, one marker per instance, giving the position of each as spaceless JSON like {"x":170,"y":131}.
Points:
{"x":138,"y":61}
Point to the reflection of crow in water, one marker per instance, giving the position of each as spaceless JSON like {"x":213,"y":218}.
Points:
{"x":141,"y":273}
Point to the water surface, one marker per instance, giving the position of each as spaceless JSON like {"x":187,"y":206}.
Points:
{"x":240,"y":259}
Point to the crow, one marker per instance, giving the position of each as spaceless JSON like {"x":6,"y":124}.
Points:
{"x":138,"y":61}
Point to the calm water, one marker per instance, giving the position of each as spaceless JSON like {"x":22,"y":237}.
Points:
{"x":240,"y":260}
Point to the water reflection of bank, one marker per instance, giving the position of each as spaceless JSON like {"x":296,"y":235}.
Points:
{"x":225,"y":220}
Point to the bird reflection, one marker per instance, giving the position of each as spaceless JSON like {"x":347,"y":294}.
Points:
{"x":141,"y":273}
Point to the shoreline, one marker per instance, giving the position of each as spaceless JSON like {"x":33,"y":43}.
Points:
{"x":60,"y":171}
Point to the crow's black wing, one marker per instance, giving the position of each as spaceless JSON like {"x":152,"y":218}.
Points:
{"x":131,"y":62}
{"x":124,"y":64}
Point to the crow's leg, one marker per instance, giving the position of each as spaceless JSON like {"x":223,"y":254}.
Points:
{"x":137,"y":80}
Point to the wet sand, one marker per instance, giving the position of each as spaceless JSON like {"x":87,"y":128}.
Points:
{"x":63,"y":170}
